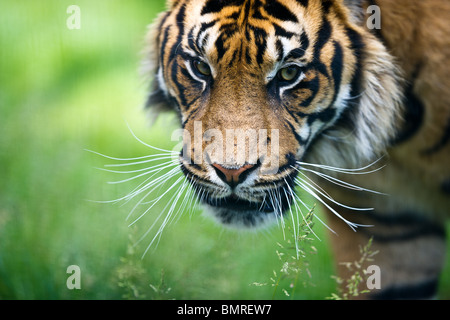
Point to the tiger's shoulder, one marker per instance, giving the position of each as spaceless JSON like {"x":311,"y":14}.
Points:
{"x":417,"y":34}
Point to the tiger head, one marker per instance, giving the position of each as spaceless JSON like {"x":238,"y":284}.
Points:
{"x":260,"y":85}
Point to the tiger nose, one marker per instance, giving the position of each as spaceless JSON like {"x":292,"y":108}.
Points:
{"x":233,"y":176}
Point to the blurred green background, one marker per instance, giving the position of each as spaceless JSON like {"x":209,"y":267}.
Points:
{"x":63,"y":91}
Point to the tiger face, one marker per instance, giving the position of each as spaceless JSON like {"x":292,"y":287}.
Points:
{"x":261,"y":86}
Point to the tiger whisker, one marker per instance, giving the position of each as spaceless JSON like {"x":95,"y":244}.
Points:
{"x":343,"y":170}
{"x":161,"y":183}
{"x":155,"y":222}
{"x":159,"y":198}
{"x":298,"y":209}
{"x":155,"y":177}
{"x":135,"y":171}
{"x":275,"y":199}
{"x":310,"y":180}
{"x":263,"y":203}
{"x":152,"y":169}
{"x":326,"y":196}
{"x":184,"y":203}
{"x":193,"y":203}
{"x":159,"y":158}
{"x":147,"y":145}
{"x":132,"y":159}
{"x":315,"y":216}
{"x":294,"y":224}
{"x":188,"y":199}
{"x":156,"y":169}
{"x":352,"y":225}
{"x":342,"y":183}
{"x":168,"y":217}
{"x":154,"y":183}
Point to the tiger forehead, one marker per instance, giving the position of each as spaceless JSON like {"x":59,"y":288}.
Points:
{"x":254,"y":32}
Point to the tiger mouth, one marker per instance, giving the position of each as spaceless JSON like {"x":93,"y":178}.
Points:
{"x":235,"y":203}
{"x":235,"y":211}
{"x":245,"y":206}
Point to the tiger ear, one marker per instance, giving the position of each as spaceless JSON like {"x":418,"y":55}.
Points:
{"x":157,"y":100}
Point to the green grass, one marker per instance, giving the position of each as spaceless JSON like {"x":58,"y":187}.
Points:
{"x":63,"y":91}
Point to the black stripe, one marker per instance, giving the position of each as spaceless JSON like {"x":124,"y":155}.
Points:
{"x":280,"y":49}
{"x":445,"y":187}
{"x":313,"y":85}
{"x":195,"y":85}
{"x":226,"y":32}
{"x":357,"y":46}
{"x":214,"y":6}
{"x":300,"y":140}
{"x":304,"y":3}
{"x":261,"y":44}
{"x":164,"y":46}
{"x":424,"y":290}
{"x":229,"y":28}
{"x":190,"y":116}
{"x":236,"y":53}
{"x":181,"y":98}
{"x":325,"y":116}
{"x":193,"y":44}
{"x":414,"y":226}
{"x":157,"y":96}
{"x":396,"y":219}
{"x":281,"y":32}
{"x":323,"y":36}
{"x":326,"y":5}
{"x":203,"y":29}
{"x":248,"y":57}
{"x":296,"y":53}
{"x":304,"y":40}
{"x":220,"y":47}
{"x":206,"y":26}
{"x":294,"y":115}
{"x":233,"y":16}
{"x":257,"y":8}
{"x":279,"y":11}
{"x":246,"y":11}
{"x":336,"y":69}
{"x":445,"y":139}
{"x":413,"y":116}
{"x":180,"y":24}
{"x":173,"y":53}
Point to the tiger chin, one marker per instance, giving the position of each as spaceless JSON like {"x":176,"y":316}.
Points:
{"x":307,"y":88}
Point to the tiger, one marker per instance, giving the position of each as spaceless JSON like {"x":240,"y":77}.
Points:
{"x":353,"y":107}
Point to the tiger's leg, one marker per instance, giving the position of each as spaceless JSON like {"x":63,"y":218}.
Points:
{"x":411,"y":252}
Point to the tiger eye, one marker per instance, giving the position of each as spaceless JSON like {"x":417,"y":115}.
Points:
{"x":202,"y":68}
{"x":289,"y":73}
